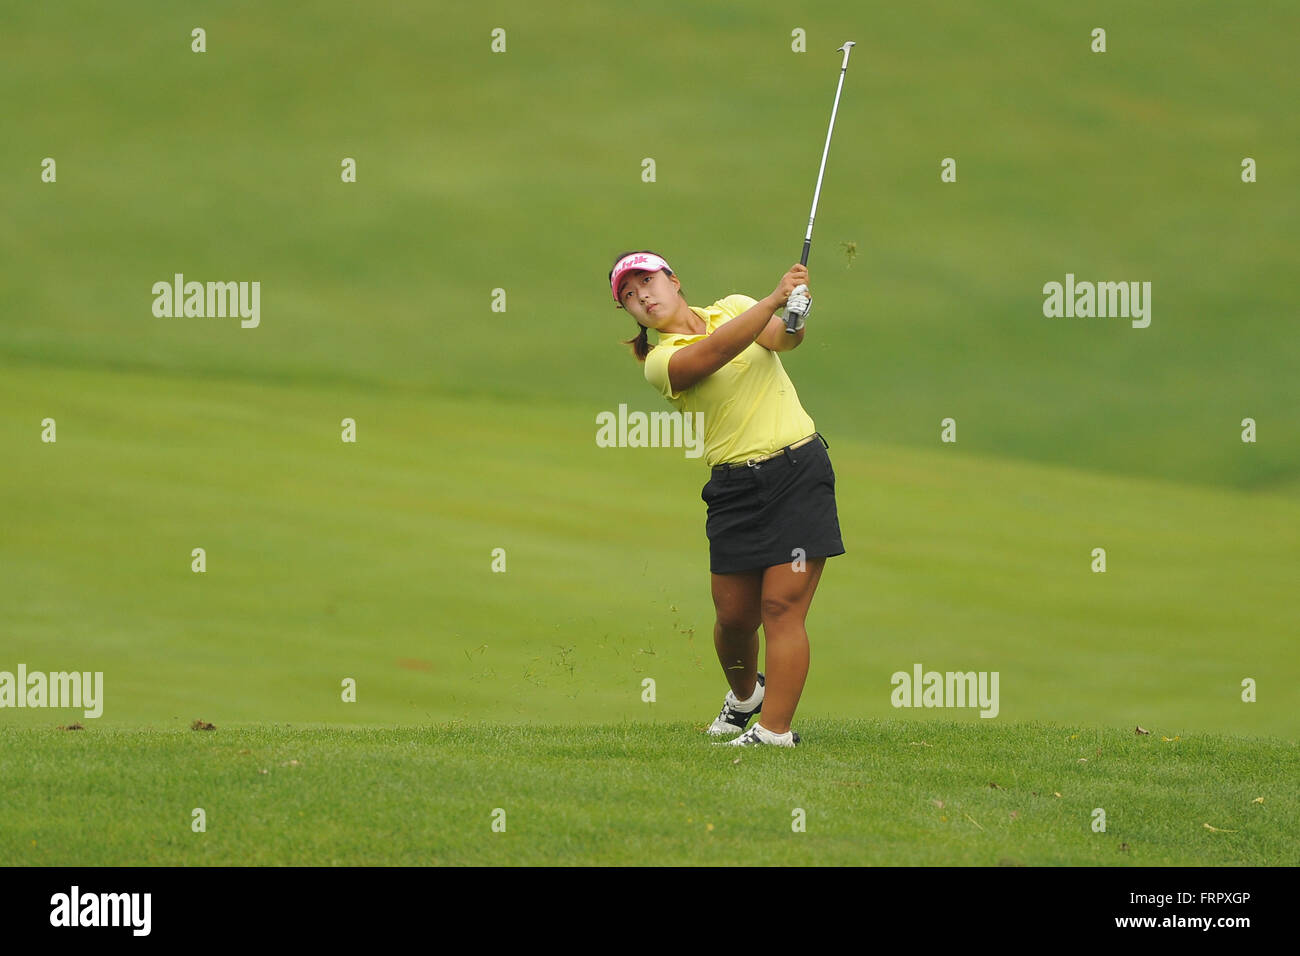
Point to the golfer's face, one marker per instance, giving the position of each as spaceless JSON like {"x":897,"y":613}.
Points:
{"x":649,"y":296}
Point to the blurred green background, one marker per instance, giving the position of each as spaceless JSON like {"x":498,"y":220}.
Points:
{"x":522,"y":171}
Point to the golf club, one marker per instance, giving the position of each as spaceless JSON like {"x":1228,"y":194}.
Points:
{"x":791,"y":317}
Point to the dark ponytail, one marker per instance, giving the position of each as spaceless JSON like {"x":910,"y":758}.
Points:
{"x":641,"y":344}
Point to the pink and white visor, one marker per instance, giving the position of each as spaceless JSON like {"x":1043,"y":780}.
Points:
{"x":637,"y":260}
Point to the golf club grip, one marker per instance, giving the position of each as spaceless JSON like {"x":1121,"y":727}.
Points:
{"x":792,"y":318}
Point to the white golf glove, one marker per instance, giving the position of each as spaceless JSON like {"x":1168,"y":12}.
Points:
{"x":799,"y":301}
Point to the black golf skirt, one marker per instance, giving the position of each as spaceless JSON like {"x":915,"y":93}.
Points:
{"x":765,"y":514}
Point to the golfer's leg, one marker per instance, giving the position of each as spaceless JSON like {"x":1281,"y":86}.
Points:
{"x":787,"y":594}
{"x":735,"y":634}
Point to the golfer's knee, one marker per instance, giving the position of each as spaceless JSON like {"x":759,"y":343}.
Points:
{"x":735,"y":625}
{"x":778,"y":609}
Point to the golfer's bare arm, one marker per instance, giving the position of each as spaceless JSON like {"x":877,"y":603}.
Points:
{"x":775,"y":338}
{"x":689,"y":365}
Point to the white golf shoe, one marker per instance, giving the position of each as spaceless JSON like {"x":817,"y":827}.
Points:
{"x":758,"y":736}
{"x":734,"y":717}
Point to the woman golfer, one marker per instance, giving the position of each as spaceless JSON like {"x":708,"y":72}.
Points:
{"x":771,"y":496}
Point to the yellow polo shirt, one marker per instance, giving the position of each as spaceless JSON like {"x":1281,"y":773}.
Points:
{"x":750,"y":406}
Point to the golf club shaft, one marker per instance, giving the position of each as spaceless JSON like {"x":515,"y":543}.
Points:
{"x":792,"y":318}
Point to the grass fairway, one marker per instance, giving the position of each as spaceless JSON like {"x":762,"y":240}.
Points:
{"x":883,"y":793}
{"x":373,"y":562}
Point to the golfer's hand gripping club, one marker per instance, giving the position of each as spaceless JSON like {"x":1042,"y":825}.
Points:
{"x":797,"y":308}
{"x":792,"y":291}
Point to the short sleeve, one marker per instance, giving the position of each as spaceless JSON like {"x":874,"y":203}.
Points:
{"x":656,"y":370}
{"x":737,"y":304}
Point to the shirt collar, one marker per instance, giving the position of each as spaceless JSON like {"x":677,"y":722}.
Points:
{"x":677,"y":338}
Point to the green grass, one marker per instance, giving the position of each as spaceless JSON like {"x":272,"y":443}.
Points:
{"x":373,"y":561}
{"x":1124,"y":165}
{"x":872,"y":792}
